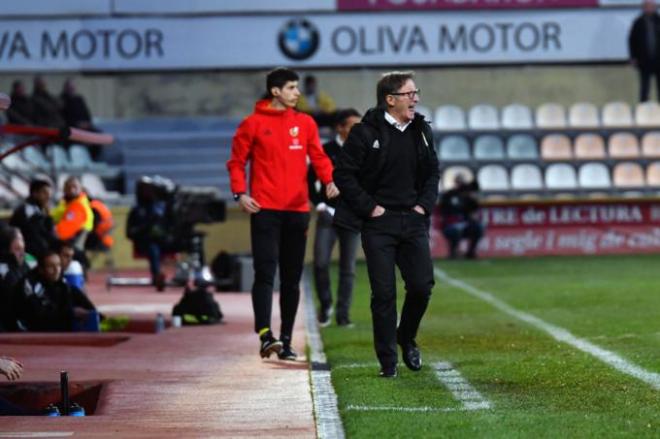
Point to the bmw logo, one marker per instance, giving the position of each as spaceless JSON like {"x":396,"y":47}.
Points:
{"x":298,"y":39}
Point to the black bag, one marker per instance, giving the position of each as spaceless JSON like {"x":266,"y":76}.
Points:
{"x":198,"y":307}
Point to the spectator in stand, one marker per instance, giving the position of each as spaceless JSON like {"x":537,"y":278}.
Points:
{"x":459,"y":211}
{"x":44,"y":302}
{"x":644,"y":48}
{"x":21,"y":111}
{"x":72,"y":270}
{"x":12,"y":269}
{"x":327,"y":235}
{"x":76,"y":112}
{"x":277,"y":141}
{"x":316,"y":103}
{"x":33,"y":218}
{"x":101,"y":237}
{"x":47,"y":108}
{"x":73,"y":216}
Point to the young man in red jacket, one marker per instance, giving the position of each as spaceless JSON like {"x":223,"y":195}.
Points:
{"x":276,"y":140}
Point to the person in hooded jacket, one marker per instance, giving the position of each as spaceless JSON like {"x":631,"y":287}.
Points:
{"x":12,"y":269}
{"x":277,"y":141}
{"x":388,"y":176}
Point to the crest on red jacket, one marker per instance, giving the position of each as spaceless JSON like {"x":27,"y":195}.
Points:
{"x":294,"y":131}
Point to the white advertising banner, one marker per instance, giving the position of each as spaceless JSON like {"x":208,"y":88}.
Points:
{"x":45,"y":8}
{"x":220,"y":6}
{"x":324,"y":40}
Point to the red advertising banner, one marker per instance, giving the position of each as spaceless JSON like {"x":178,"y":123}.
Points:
{"x":425,"y":5}
{"x":564,"y":228}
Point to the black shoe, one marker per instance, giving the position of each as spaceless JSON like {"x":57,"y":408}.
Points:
{"x":287,"y":353}
{"x":388,"y":372}
{"x":269,"y":345}
{"x":412,"y":357}
{"x":324,"y":315}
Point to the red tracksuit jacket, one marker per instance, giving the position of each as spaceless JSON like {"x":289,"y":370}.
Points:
{"x":277,"y":143}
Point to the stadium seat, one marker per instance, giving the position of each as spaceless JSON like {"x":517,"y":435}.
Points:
{"x":517,"y":116}
{"x":449,"y":118}
{"x":483,"y":117}
{"x":59,"y":157}
{"x":488,"y":147}
{"x":36,"y":157}
{"x":560,"y":176}
{"x":451,"y":172}
{"x":623,"y":145}
{"x":594,"y":176}
{"x":583,"y":115}
{"x":628,"y":175}
{"x":556,"y":147}
{"x":589,"y":146}
{"x":522,"y":147}
{"x":653,"y":175}
{"x":425,"y":111}
{"x":96,"y":189}
{"x":7,"y":197}
{"x":454,"y":148}
{"x":80,"y":157}
{"x":493,"y":178}
{"x":647,"y":114}
{"x":19,"y":186}
{"x":550,"y":115}
{"x":526,"y":176}
{"x":651,"y":144}
{"x":617,"y":114}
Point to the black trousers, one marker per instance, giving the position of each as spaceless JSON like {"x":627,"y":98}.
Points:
{"x":401,"y":239}
{"x":324,"y":240}
{"x":278,"y":238}
{"x":645,"y":83}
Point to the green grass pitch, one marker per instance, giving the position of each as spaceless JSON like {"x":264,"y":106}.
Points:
{"x":535,"y":385}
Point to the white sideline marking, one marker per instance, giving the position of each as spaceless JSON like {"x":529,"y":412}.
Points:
{"x":326,"y":412}
{"x":610,"y":358}
{"x":370,"y":408}
{"x":129,"y":308}
{"x":460,"y":387}
{"x":11,"y":434}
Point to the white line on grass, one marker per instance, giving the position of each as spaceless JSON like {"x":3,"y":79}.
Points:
{"x":371,"y":408}
{"x":460,"y":387}
{"x":328,"y":422}
{"x":612,"y":359}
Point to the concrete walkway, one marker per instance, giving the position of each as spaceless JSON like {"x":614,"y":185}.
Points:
{"x":192,"y":382}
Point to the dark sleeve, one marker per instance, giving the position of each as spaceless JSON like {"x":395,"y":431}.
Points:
{"x":429,"y":192}
{"x":314,"y":195}
{"x":136,"y":228}
{"x":37,"y":314}
{"x":633,"y":50}
{"x":349,"y":165}
{"x":80,"y":299}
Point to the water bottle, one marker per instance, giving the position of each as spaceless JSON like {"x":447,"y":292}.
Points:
{"x":160,"y":322}
{"x":51,"y":410}
{"x":76,"y":410}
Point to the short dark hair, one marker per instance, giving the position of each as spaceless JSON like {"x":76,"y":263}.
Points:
{"x":7,"y":236}
{"x":278,"y":77}
{"x":39,"y":182}
{"x":342,"y":115}
{"x":390,"y":83}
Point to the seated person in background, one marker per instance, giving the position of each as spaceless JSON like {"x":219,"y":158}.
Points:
{"x":44,"y":302}
{"x":148,"y":227}
{"x":73,"y":217}
{"x":33,"y":219}
{"x":72,"y":270}
{"x":47,"y":109}
{"x":316,"y":103}
{"x":21,"y":111}
{"x":459,"y":210}
{"x":12,"y":269}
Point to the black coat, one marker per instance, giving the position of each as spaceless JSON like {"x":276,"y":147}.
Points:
{"x":36,"y":226}
{"x":317,"y":194}
{"x":46,"y":307}
{"x":11,"y":273}
{"x":362,"y":160}
{"x":637,"y":44}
